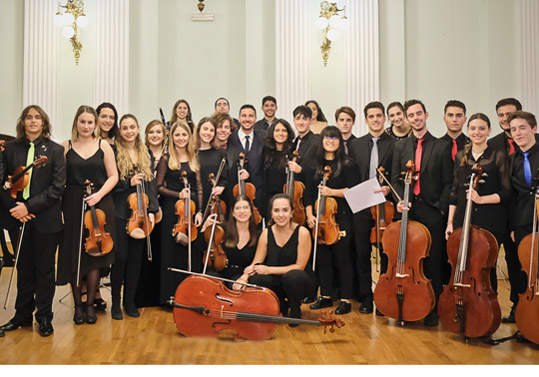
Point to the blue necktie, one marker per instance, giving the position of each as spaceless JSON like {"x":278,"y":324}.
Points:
{"x":527,"y":169}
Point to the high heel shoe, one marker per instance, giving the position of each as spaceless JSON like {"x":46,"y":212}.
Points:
{"x":78,"y":317}
{"x":91,"y":318}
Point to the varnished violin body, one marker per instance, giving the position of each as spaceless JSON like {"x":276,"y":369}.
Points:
{"x":98,"y":242}
{"x":217,"y":258}
{"x":21,"y":176}
{"x":403,"y":292}
{"x":527,"y":311}
{"x":468,"y":305}
{"x":383,"y":216}
{"x":246,"y":188}
{"x":329,"y":232}
{"x":139,"y":225}
{"x":185,"y":226}
{"x":206,"y":307}
{"x":294,"y":189}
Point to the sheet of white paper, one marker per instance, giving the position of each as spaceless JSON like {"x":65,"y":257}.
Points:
{"x":363,"y":195}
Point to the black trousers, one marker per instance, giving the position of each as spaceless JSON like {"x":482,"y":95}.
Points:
{"x":513,"y":263}
{"x":292,"y":286}
{"x":127,"y":264}
{"x":336,"y":258}
{"x":35,"y":272}
{"x":362,"y":236}
{"x":433,"y":219}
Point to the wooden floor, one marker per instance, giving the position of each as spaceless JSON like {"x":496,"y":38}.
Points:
{"x":153,"y":339}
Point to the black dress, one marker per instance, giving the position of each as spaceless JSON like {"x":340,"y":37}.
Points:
{"x":78,"y":171}
{"x":210,"y":160}
{"x":170,"y":184}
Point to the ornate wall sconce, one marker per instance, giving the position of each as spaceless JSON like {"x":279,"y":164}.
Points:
{"x":70,"y":21}
{"x":331,"y":22}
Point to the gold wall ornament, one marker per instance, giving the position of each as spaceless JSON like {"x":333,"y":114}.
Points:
{"x":201,"y":5}
{"x":330,"y":22}
{"x":71,"y":20}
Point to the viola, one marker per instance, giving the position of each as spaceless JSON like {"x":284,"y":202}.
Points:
{"x":246,"y":188}
{"x":403,"y":292}
{"x":98,"y":242}
{"x":139,"y":225}
{"x":382,"y":213}
{"x":468,"y":305}
{"x":205,"y":307}
{"x":527,"y":310}
{"x":294,"y":189}
{"x":21,"y":176}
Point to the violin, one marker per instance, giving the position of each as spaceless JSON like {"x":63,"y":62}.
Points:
{"x":139,"y":225}
{"x":215,"y":204}
{"x":468,"y":305}
{"x":403,"y":292}
{"x":205,"y":307}
{"x":185,"y":230}
{"x":21,"y":176}
{"x":327,"y":230}
{"x":382,"y":213}
{"x":294,"y":189}
{"x":527,"y":310}
{"x":215,"y":256}
{"x":99,"y":242}
{"x":246,"y":188}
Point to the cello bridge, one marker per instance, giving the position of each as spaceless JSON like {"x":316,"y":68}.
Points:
{"x":462,"y":285}
{"x":401,"y":275}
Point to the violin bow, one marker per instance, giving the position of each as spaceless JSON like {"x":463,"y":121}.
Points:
{"x":209,"y":246}
{"x":19,"y":243}
{"x":80,"y":240}
{"x":215,"y":277}
{"x":389,"y":184}
{"x":146,"y":224}
{"x":316,"y":230}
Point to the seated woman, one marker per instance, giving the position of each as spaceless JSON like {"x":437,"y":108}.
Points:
{"x":241,"y":236}
{"x":281,"y":256}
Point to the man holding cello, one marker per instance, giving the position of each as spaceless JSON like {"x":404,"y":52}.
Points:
{"x":34,"y":217}
{"x":369,"y":152}
{"x":429,"y":200}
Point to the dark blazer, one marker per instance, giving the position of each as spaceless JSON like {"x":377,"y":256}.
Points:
{"x":307,"y":148}
{"x":522,"y":198}
{"x":46,"y":185}
{"x":263,"y":125}
{"x":360,"y":151}
{"x":436,"y":169}
{"x":500,"y":142}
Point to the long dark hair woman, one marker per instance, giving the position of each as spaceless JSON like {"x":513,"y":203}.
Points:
{"x":337,"y":256}
{"x":107,"y":121}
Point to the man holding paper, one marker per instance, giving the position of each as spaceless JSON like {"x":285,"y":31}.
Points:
{"x":370,"y":152}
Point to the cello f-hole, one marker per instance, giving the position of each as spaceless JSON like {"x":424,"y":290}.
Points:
{"x":218,"y":297}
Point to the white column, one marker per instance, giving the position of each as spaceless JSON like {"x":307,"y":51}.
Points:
{"x":112,"y":53}
{"x":527,"y":16}
{"x":361,"y":58}
{"x":292,"y":55}
{"x":40,"y":56}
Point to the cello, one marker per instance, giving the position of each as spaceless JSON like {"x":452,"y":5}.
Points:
{"x":294,"y":189}
{"x":246,"y":188}
{"x":527,"y":311}
{"x":205,"y":307}
{"x":468,"y":305}
{"x":403,"y":292}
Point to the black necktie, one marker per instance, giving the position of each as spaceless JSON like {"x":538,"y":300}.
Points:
{"x":247,"y":144}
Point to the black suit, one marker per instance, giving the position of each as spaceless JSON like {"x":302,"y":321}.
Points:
{"x":254,"y":163}
{"x":360,"y":151}
{"x":431,"y":205}
{"x":36,"y":272}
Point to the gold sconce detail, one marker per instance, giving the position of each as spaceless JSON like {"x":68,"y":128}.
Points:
{"x":330,"y":22}
{"x":70,"y":21}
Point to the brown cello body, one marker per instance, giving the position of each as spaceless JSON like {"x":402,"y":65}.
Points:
{"x":470,"y":307}
{"x":416,"y":289}
{"x":527,"y":311}
{"x":403,"y":292}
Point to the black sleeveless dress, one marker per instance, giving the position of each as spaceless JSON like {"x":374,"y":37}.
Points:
{"x":78,"y":171}
{"x":286,"y":255}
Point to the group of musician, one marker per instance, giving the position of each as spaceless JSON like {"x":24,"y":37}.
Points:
{"x":320,"y":257}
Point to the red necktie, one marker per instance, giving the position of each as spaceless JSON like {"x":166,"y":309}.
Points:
{"x":454,"y":150}
{"x":418,"y":153}
{"x":511,"y":146}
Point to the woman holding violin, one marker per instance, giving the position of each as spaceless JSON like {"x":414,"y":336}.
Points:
{"x":240,"y":238}
{"x":181,"y":158}
{"x":150,"y":275}
{"x":134,"y":163}
{"x":494,"y":188}
{"x":339,"y":173}
{"x":281,"y":257}
{"x":88,"y":158}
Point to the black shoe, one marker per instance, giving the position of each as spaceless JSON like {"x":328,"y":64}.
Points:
{"x":366,"y":307}
{"x":45,"y":327}
{"x":379,"y":313}
{"x":116,"y":312}
{"x":308,"y":300}
{"x":295,"y":313}
{"x":100,"y":304}
{"x":511,"y":317}
{"x":15,"y":323}
{"x":131,"y":310}
{"x":431,"y":319}
{"x":2,"y":334}
{"x":78,"y":317}
{"x":91,"y":318}
{"x":322,"y":302}
{"x":343,"y":308}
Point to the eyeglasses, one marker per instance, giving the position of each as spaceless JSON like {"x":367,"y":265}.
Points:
{"x":333,"y":138}
{"x":239,"y":208}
